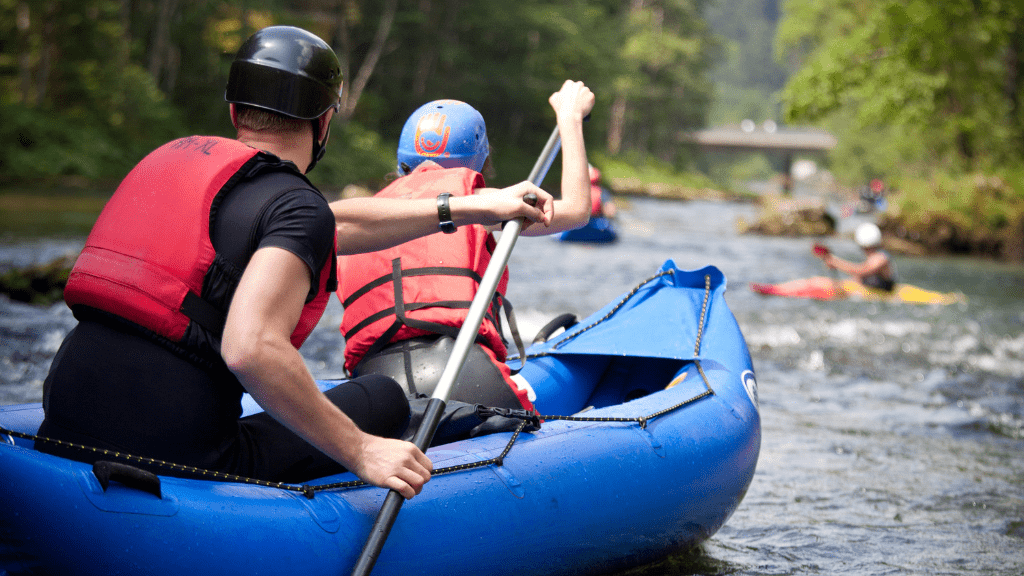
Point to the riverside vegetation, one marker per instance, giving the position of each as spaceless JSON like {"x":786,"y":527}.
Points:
{"x":977,"y":216}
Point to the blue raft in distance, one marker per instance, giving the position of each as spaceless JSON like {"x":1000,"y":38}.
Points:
{"x":657,"y":465}
{"x":598,"y":230}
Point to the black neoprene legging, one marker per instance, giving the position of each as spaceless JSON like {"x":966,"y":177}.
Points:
{"x":148,"y":401}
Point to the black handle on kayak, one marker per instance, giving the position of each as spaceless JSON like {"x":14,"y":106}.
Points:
{"x":144,"y":480}
{"x":564,"y":321}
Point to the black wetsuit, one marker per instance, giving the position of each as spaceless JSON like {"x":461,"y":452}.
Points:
{"x":880,"y":281}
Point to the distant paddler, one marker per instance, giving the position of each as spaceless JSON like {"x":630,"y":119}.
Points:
{"x":876,"y":272}
{"x":873,"y":279}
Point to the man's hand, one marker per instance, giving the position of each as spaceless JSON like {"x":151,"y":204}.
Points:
{"x":573,"y":102}
{"x":503,"y":204}
{"x":393,"y":464}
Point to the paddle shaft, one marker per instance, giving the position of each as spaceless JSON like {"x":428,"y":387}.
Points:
{"x":822,"y":251}
{"x":489,"y":283}
{"x":467,"y":335}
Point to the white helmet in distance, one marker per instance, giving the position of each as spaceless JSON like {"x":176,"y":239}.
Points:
{"x":868,"y":235}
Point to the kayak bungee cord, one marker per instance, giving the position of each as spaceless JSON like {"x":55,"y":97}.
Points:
{"x":700,"y":327}
{"x":310,"y":490}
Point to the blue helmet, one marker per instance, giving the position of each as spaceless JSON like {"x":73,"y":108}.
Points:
{"x":449,"y":132}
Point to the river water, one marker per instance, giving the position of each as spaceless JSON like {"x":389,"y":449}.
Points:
{"x":893,"y":434}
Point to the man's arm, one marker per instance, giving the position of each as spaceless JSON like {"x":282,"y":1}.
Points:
{"x":873,"y":264}
{"x":257,"y":348}
{"x":371,"y":224}
{"x":572,"y":103}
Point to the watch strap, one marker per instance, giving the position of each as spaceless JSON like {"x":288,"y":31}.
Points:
{"x":444,"y":213}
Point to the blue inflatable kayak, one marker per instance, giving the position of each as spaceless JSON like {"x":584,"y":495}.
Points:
{"x":650,"y":440}
{"x":598,"y":230}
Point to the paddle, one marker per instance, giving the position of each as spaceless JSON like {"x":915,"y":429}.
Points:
{"x":822,"y":251}
{"x":467,"y":335}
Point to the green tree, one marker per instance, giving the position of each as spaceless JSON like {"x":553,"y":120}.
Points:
{"x":746,"y":75}
{"x":947,"y":74}
{"x":73,"y":102}
{"x":662,"y":88}
{"x":91,"y":86}
{"x":505,"y":58}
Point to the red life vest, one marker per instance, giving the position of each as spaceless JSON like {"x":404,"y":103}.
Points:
{"x":437,"y":277}
{"x":147,"y":255}
{"x":595,"y":192}
{"x":595,"y":200}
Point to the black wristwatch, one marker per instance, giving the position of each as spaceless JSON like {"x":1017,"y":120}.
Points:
{"x":444,"y":213}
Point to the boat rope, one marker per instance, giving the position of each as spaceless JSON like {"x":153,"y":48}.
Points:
{"x":703,"y":314}
{"x":309,"y":491}
{"x":604,"y":318}
{"x":620,"y":304}
{"x":643,"y":420}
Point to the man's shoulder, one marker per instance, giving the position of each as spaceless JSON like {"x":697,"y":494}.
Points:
{"x":280,"y":178}
{"x":273,"y":194}
{"x":266,"y":165}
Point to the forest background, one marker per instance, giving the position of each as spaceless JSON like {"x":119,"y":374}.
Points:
{"x":927,"y":95}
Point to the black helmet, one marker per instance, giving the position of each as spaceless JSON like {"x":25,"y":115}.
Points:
{"x":286,"y":70}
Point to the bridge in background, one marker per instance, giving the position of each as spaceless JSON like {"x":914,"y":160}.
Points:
{"x":780,"y":140}
{"x":781,"y":143}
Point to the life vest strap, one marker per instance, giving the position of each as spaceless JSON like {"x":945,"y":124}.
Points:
{"x":204,"y":313}
{"x":513,"y":327}
{"x":401,"y":307}
{"x":412,"y":306}
{"x":425,"y":271}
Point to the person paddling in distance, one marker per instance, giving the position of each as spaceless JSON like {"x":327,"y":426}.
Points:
{"x":602,"y":203}
{"x":204,"y":274}
{"x":876,"y":271}
{"x":404,"y":306}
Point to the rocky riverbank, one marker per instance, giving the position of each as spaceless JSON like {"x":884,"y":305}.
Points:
{"x":41,"y":284}
{"x":974,"y":215}
{"x":971,"y":216}
{"x":794,"y":217}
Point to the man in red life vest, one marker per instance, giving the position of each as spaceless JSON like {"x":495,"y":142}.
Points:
{"x":206,"y":271}
{"x":404,"y":306}
{"x":601,"y":203}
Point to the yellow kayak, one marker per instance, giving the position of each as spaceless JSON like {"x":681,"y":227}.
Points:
{"x":901,"y":293}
